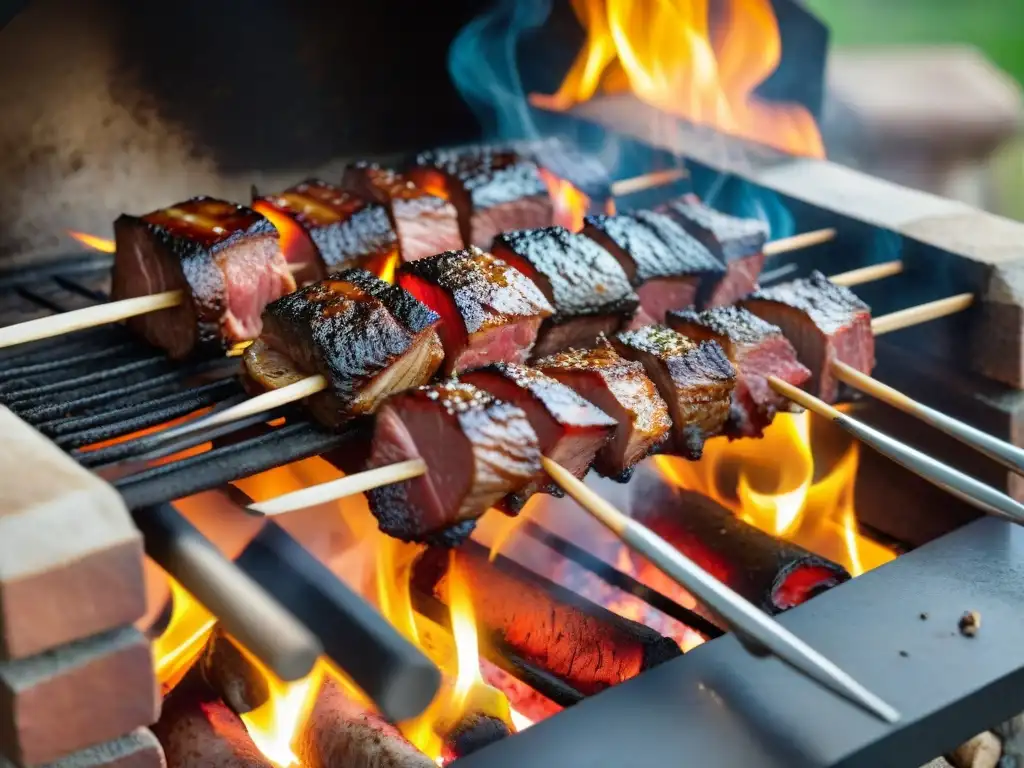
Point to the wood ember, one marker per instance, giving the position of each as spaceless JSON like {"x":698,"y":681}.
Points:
{"x":521,"y":697}
{"x":138,"y":749}
{"x":198,"y":730}
{"x":227,"y":671}
{"x":585,"y":645}
{"x":81,"y":694}
{"x":969,"y":623}
{"x":983,"y":751}
{"x":473,"y":733}
{"x":70,"y":556}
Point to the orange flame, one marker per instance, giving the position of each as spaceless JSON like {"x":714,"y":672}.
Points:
{"x":571,"y":205}
{"x":294,"y":240}
{"x":101,"y":244}
{"x":685,"y":60}
{"x":183,"y":637}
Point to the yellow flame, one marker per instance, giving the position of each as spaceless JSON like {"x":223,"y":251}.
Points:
{"x":464,"y":630}
{"x":96,"y":243}
{"x":183,"y":638}
{"x":689,"y":58}
{"x":570,"y":204}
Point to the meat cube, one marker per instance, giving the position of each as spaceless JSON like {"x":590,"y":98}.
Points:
{"x":570,"y":430}
{"x":325,"y":229}
{"x":621,"y":389}
{"x":227,"y":260}
{"x":737,"y":242}
{"x":366,"y":337}
{"x":477,"y":449}
{"x":425,"y":223}
{"x":695,"y":379}
{"x":584,"y":283}
{"x":490,"y":312}
{"x":664,"y":263}
{"x":494,"y":190}
{"x":757,"y":350}
{"x":824,"y":322}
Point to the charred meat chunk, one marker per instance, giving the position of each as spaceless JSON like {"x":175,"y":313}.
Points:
{"x":325,"y":229}
{"x":225,"y":258}
{"x":477,"y":449}
{"x":757,"y":350}
{"x":425,"y":223}
{"x":490,"y":312}
{"x":493,"y":189}
{"x":737,"y":242}
{"x":824,"y":322}
{"x":570,"y":430}
{"x":695,"y":379}
{"x":584,"y":283}
{"x":621,"y":389}
{"x":366,"y":337}
{"x":665,"y":264}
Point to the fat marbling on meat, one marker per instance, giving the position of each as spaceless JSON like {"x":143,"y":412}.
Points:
{"x":366,"y":337}
{"x":227,"y":260}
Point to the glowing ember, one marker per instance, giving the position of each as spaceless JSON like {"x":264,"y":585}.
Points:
{"x":570,"y":204}
{"x":687,"y":60}
{"x":96,"y":243}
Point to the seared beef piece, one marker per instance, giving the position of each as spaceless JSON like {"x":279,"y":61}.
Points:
{"x":426,"y":224}
{"x":824,"y":322}
{"x":477,"y":450}
{"x":490,"y":312}
{"x":366,"y":337}
{"x":570,"y":430}
{"x":493,"y":189}
{"x":584,"y":283}
{"x":696,"y":380}
{"x":325,"y":229}
{"x":666,"y":264}
{"x":225,"y":257}
{"x":737,"y":242}
{"x":757,"y":350}
{"x":621,"y":389}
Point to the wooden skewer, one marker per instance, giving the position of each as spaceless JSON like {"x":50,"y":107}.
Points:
{"x":266,"y":401}
{"x":796,"y":242}
{"x":922,"y":313}
{"x":636,"y":184}
{"x":868,"y":274}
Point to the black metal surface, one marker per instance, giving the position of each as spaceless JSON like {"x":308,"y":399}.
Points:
{"x":719,"y":707}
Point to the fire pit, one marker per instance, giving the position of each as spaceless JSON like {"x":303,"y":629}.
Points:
{"x":535,"y":635}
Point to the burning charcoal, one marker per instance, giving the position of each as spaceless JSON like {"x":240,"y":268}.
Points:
{"x":587,"y":646}
{"x":737,"y":242}
{"x":471,"y":735}
{"x":771,"y":573}
{"x":757,"y":350}
{"x":824,"y":322}
{"x":493,"y":189}
{"x":584,"y":283}
{"x":477,"y":450}
{"x":197,"y":729}
{"x":664,"y":263}
{"x":521,"y":697}
{"x":226,"y":670}
{"x":490,"y":312}
{"x":366,"y":337}
{"x":325,"y":229}
{"x":425,"y":223}
{"x":621,"y":389}
{"x":570,"y":430}
{"x":696,"y":381}
{"x":225,"y":258}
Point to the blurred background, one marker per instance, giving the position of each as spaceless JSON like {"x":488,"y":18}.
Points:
{"x":937,"y":84}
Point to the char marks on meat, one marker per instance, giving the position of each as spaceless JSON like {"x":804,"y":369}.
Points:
{"x":665,"y":263}
{"x":738,"y":242}
{"x":227,"y":260}
{"x":426,"y":224}
{"x":490,"y":312}
{"x":477,"y":450}
{"x":331,"y":229}
{"x":824,"y":322}
{"x":366,"y":337}
{"x":757,"y":350}
{"x":494,"y":190}
{"x":570,"y":430}
{"x":695,"y":379}
{"x":621,"y":389}
{"x":584,"y":283}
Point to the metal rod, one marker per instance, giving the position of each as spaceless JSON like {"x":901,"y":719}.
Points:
{"x":757,"y":629}
{"x":974,"y":492}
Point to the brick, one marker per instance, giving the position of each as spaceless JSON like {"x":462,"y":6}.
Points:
{"x":70,"y":556}
{"x":81,"y":694}
{"x":138,"y":749}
